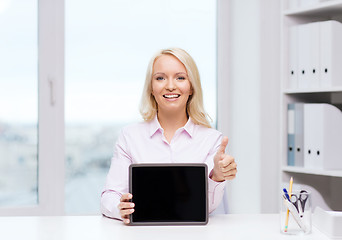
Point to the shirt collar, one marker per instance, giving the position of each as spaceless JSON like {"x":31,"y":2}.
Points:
{"x":189,"y":127}
{"x":155,"y":126}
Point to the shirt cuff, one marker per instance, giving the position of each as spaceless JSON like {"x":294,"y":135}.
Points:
{"x":109,"y":204}
{"x":215,"y":191}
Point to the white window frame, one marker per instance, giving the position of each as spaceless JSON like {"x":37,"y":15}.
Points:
{"x":51,"y":113}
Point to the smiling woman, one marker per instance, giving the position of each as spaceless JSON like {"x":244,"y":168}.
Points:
{"x":172,"y":134}
{"x":105,"y":63}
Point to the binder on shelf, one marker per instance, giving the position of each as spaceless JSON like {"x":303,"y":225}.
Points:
{"x":290,"y":135}
{"x":322,"y":136}
{"x":315,"y":54}
{"x":299,"y":134}
{"x":313,"y":58}
{"x":311,"y":133}
{"x":293,"y":57}
{"x":303,"y":55}
{"x":308,"y":46}
{"x":330,"y":53}
{"x":295,"y":133}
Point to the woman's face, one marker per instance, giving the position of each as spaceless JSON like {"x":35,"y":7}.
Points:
{"x":171,"y":87}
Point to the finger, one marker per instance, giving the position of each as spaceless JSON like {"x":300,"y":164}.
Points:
{"x":223,"y":145}
{"x":126,"y":197}
{"x":125,"y":205}
{"x":124,"y":213}
{"x":126,"y":221}
{"x":226,"y":161}
{"x":230,"y":177}
{"x":229,"y":167}
{"x":230,"y":173}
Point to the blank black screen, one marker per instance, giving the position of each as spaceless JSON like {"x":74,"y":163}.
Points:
{"x":169,"y":193}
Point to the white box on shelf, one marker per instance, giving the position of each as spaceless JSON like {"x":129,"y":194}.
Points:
{"x":322,"y":136}
{"x":330,"y":53}
{"x":314,"y":55}
{"x":293,"y":70}
{"x":304,"y":55}
{"x":328,"y":222}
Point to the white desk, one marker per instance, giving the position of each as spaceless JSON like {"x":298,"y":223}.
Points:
{"x":225,"y":227}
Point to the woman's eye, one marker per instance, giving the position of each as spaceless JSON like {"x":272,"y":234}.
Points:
{"x":159,"y":78}
{"x":181,"y":78}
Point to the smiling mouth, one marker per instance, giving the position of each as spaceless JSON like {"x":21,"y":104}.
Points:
{"x":169,"y":96}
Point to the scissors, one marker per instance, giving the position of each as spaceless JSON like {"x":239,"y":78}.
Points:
{"x":299,"y":201}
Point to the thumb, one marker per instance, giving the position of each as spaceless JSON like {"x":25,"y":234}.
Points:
{"x":223,"y":146}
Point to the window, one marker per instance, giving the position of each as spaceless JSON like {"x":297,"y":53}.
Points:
{"x":18,"y":103}
{"x":107,"y":49}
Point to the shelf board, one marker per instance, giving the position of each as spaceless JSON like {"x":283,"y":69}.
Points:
{"x":328,"y":8}
{"x":314,"y":90}
{"x":331,"y":173}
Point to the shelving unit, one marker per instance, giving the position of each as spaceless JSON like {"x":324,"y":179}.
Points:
{"x":328,"y":183}
{"x":331,"y":173}
{"x":315,"y":90}
{"x":321,"y":9}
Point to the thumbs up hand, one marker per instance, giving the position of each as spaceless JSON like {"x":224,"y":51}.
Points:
{"x":224,"y":164}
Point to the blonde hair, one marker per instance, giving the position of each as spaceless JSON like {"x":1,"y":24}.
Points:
{"x":194,"y":108}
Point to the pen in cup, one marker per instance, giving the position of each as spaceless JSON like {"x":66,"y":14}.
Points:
{"x":288,"y":211}
{"x":286,"y":194}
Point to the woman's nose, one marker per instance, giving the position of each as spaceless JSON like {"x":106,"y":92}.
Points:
{"x":171,"y":85}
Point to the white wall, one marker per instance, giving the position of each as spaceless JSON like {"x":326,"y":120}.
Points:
{"x":270,"y":30}
{"x":248,"y":82}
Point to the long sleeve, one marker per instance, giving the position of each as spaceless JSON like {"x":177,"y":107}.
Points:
{"x":109,"y":203}
{"x":215,"y":189}
{"x":215,"y":193}
{"x":117,"y":179}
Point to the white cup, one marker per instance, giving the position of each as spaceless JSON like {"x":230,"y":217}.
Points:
{"x":296,"y":213}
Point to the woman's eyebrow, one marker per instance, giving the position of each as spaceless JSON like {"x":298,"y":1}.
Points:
{"x":165,"y":74}
{"x":158,"y":73}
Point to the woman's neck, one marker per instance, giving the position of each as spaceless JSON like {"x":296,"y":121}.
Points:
{"x":171,"y":122}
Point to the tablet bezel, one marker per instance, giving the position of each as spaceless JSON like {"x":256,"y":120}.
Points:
{"x":172,"y":165}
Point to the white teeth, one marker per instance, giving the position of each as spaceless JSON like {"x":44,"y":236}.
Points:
{"x":171,"y":96}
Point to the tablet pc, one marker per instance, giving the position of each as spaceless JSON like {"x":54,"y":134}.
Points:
{"x":169,"y":194}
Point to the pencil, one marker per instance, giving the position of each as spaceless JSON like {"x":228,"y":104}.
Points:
{"x":288,"y":211}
